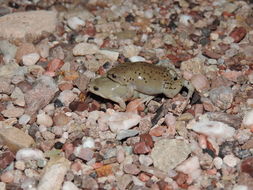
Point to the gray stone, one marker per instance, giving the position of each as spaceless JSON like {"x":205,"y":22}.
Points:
{"x":168,"y":153}
{"x":222,"y":97}
{"x":126,"y":133}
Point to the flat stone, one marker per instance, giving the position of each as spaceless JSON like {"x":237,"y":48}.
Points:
{"x":32,"y":24}
{"x":168,"y":153}
{"x":15,"y":138}
{"x":18,"y":97}
{"x":85,"y":49}
{"x":8,"y":50}
{"x":5,"y":86}
{"x":53,"y":176}
{"x":126,"y":133}
{"x":13,"y":112}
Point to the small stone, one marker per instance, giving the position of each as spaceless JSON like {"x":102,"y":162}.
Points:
{"x":248,"y":119}
{"x":24,"y":119}
{"x":158,"y":131}
{"x":30,"y":59}
{"x":222,"y":97}
{"x":147,"y":139}
{"x":177,"y":150}
{"x":230,"y":160}
{"x":194,"y":65}
{"x":24,"y":49}
{"x":6,"y":158}
{"x":84,"y":153}
{"x":200,"y":82}
{"x":238,"y":34}
{"x":65,"y":86}
{"x":15,"y":138}
{"x":66,"y":97}
{"x":20,"y":165}
{"x":7,"y":177}
{"x":217,"y":161}
{"x":85,"y":49}
{"x":44,"y":119}
{"x":18,"y":96}
{"x":13,"y":112}
{"x":75,"y":23}
{"x":137,"y":59}
{"x":247,"y":166}
{"x":8,"y":50}
{"x":42,"y":93}
{"x":123,"y":181}
{"x":104,"y":170}
{"x":141,"y":148}
{"x":112,"y":55}
{"x":19,"y":25}
{"x":78,"y":106}
{"x":126,"y":133}
{"x":145,"y":160}
{"x":89,"y":183}
{"x":53,"y":176}
{"x":54,"y":65}
{"x":131,"y":169}
{"x":61,"y":119}
{"x":68,"y":185}
{"x":24,"y":86}
{"x":130,"y":50}
{"x":5,"y":85}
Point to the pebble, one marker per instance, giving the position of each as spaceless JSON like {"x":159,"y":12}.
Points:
{"x":13,"y":112}
{"x":238,"y":34}
{"x":137,"y":59}
{"x":177,"y":149}
{"x":2,"y":186}
{"x":5,"y":86}
{"x":112,"y":55}
{"x":240,"y":187}
{"x":248,"y":119}
{"x":141,"y":148}
{"x":130,"y":50}
{"x":230,"y":160}
{"x":145,"y":160}
{"x":213,"y":129}
{"x":61,"y":119}
{"x":15,"y":138}
{"x":123,"y":181}
{"x":20,"y":165}
{"x":85,"y":49}
{"x":200,"y":82}
{"x":217,"y":161}
{"x":88,"y":143}
{"x":6,"y":158}
{"x":75,"y":23}
{"x":247,"y":166}
{"x":68,"y":185}
{"x":89,"y":183}
{"x":53,"y":176}
{"x":7,"y":177}
{"x":126,"y":133}
{"x":191,"y":167}
{"x":194,"y":65}
{"x":67,"y":96}
{"x":24,"y":49}
{"x":18,"y":25}
{"x":8,"y":50}
{"x":119,"y":121}
{"x":131,"y":169}
{"x":84,"y":153}
{"x":26,"y":154}
{"x":30,"y":59}
{"x":18,"y":96}
{"x":222,"y":97}
{"x":44,"y":119}
{"x":40,"y":95}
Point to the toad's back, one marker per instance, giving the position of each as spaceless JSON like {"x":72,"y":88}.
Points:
{"x":146,"y":78}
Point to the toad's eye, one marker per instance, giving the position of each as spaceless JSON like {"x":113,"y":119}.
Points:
{"x":95,"y":88}
{"x":114,"y":76}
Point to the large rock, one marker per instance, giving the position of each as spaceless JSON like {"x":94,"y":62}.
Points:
{"x":168,"y":153}
{"x":15,"y":138}
{"x":30,"y":24}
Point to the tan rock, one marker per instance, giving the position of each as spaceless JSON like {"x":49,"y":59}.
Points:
{"x":14,"y":138}
{"x":24,"y":49}
{"x":30,"y":24}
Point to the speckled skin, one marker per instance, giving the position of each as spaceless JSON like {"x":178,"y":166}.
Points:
{"x":148,"y":79}
{"x":114,"y":91}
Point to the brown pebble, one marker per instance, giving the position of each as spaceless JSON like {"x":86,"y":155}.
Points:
{"x":238,"y":34}
{"x":141,"y":148}
{"x":6,"y":158}
{"x":147,"y":139}
{"x":24,"y":86}
{"x":247,"y":166}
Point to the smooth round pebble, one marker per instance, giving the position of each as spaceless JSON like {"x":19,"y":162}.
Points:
{"x":248,"y":119}
{"x":30,"y":59}
{"x":44,"y":119}
{"x":230,"y":160}
{"x":89,"y":143}
{"x":218,"y":162}
{"x":75,"y":22}
{"x":24,"y":119}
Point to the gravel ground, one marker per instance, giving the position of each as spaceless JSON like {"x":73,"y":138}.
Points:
{"x":56,"y":135}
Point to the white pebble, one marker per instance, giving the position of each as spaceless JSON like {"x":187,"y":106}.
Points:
{"x":213,"y":129}
{"x":30,"y":59}
{"x":85,"y":49}
{"x":66,"y":97}
{"x":65,"y":135}
{"x":20,"y":165}
{"x":240,"y":187}
{"x":217,"y":161}
{"x":112,"y":55}
{"x":88,"y":143}
{"x":75,"y":22}
{"x":170,"y":120}
{"x":29,"y":154}
{"x":248,"y":119}
{"x":44,"y":119}
{"x":214,"y":36}
{"x":145,"y":160}
{"x":68,"y":185}
{"x":137,"y":59}
{"x":185,"y":19}
{"x":148,"y":13}
{"x":24,"y":119}
{"x":230,"y":160}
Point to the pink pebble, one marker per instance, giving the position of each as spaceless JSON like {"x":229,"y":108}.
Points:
{"x":7,"y":177}
{"x":200,"y":82}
